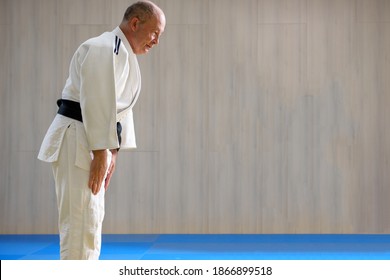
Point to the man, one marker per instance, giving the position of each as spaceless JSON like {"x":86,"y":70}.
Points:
{"x":94,"y":120}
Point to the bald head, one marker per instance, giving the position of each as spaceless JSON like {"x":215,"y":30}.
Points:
{"x":143,"y":23}
{"x":143,"y":10}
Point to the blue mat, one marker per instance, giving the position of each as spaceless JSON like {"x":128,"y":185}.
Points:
{"x":210,"y":247}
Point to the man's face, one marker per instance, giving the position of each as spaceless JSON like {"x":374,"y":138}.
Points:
{"x":147,"y":34}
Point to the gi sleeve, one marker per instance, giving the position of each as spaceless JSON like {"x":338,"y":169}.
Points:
{"x":98,"y":98}
{"x":128,"y":133}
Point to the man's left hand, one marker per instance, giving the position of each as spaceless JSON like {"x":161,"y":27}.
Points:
{"x":111,"y":168}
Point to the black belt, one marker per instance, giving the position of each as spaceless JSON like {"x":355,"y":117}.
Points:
{"x":72,"y":109}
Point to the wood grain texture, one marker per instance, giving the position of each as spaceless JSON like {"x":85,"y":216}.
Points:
{"x":255,"y":116}
{"x":91,"y":12}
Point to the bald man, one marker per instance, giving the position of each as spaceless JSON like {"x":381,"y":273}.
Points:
{"x":94,"y":121}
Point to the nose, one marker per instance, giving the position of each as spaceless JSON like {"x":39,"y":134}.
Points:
{"x":156,"y":40}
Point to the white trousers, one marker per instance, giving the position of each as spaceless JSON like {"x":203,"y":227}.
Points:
{"x":80,"y":212}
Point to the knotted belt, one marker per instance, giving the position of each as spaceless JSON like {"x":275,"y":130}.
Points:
{"x":72,"y":109}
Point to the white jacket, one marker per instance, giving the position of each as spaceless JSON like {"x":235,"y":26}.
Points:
{"x":104,"y":77}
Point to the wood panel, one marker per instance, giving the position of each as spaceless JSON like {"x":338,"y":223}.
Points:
{"x":233,"y":103}
{"x":5,"y":126}
{"x":330,"y":66}
{"x":373,"y":11}
{"x":84,"y":12}
{"x":371,"y":113}
{"x":282,"y":11}
{"x":27,"y":206}
{"x":183,"y":122}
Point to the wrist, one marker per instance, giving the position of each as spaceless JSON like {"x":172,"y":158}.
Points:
{"x":99,"y":153}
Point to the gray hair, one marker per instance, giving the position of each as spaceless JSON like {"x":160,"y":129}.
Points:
{"x":143,"y":10}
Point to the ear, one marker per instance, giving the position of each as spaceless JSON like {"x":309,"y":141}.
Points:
{"x":134,"y":23}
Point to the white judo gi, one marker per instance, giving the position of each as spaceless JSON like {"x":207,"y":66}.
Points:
{"x":104,"y":77}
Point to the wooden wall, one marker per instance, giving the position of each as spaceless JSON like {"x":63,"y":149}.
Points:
{"x":256,"y":116}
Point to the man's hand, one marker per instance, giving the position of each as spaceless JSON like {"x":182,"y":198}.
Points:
{"x":98,"y":170}
{"x":111,"y":168}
